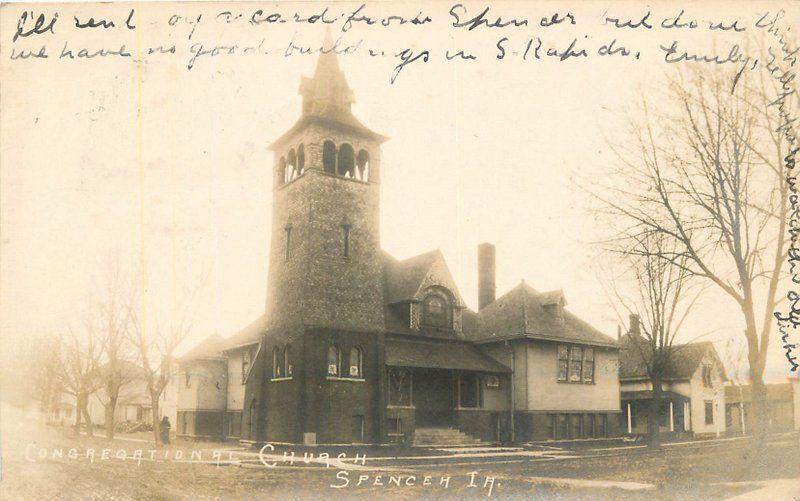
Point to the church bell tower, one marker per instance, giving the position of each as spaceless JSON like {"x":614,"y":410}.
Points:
{"x":325,"y":267}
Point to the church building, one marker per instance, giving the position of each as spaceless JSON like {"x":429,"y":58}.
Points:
{"x":357,"y":347}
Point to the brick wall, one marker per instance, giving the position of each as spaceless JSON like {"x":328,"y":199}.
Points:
{"x":318,"y":285}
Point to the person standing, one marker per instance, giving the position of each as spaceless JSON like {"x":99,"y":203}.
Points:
{"x":165,"y":426}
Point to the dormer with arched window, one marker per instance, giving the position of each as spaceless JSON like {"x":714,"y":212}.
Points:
{"x":437,"y":309}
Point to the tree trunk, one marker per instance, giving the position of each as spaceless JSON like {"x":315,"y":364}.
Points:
{"x":87,"y":417}
{"x":759,"y":408}
{"x":757,"y":361}
{"x":78,"y":414}
{"x":156,"y":420}
{"x":653,"y":437}
{"x":111,"y":422}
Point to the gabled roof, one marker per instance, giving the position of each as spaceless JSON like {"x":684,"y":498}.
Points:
{"x":404,"y":279}
{"x":250,"y":335}
{"x":523,"y":313}
{"x":207,"y":349}
{"x":684,"y":360}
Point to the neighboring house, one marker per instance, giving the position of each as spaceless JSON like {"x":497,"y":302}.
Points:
{"x":62,"y":410}
{"x":200,"y":384}
{"x":240,"y":352}
{"x":783,"y":407}
{"x":693,"y":389}
{"x":133,"y":402}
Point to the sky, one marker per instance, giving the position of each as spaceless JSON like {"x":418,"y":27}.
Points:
{"x":488,"y":150}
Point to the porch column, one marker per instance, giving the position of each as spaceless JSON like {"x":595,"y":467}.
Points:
{"x":671,"y":417}
{"x":686,"y":417}
{"x":457,"y":378}
{"x":741,"y":413}
{"x":630,"y":428}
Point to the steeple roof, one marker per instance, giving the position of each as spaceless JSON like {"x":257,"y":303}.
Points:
{"x":327,"y":93}
{"x":327,"y":97}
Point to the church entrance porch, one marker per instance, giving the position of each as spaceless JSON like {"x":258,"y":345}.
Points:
{"x":434,"y":385}
{"x":427,"y":405}
{"x":434,"y":398}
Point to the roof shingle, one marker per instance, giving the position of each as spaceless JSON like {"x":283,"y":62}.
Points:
{"x":524,"y":313}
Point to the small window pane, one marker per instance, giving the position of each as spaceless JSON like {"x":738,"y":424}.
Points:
{"x":562,"y":370}
{"x":399,"y":388}
{"x":588,"y":365}
{"x":575,"y":354}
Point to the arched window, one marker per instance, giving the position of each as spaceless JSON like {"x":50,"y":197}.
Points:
{"x":287,"y":361}
{"x":291,"y":166}
{"x":437,"y":310}
{"x":362,"y":162}
{"x":301,"y":160}
{"x":277,"y":369}
{"x":282,"y":169}
{"x":329,"y":157}
{"x":355,"y":362}
{"x":347,"y":162}
{"x":334,"y":360}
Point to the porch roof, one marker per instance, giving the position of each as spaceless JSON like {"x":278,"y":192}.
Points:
{"x":648,"y":395}
{"x":440,"y":355}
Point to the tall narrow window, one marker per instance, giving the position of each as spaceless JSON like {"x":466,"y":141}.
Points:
{"x":563,"y":356}
{"x":334,"y":359}
{"x":346,"y":238}
{"x":588,"y":365}
{"x":355,"y":362}
{"x":329,"y":157}
{"x":282,"y":169}
{"x":362,"y":162}
{"x":291,"y":166}
{"x":287,"y":361}
{"x":288,"y":230}
{"x":575,"y":355}
{"x":706,"y":373}
{"x":301,"y":160}
{"x":709,"y":412}
{"x":276,"y":363}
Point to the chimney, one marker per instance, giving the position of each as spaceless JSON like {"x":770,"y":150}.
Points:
{"x":486,"y":275}
{"x":634,"y":325}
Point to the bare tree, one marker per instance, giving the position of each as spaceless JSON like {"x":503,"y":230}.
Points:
{"x":660,"y":304}
{"x":79,"y":365}
{"x":30,"y":371}
{"x":156,"y":346}
{"x":117,"y":349}
{"x":703,"y":171}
